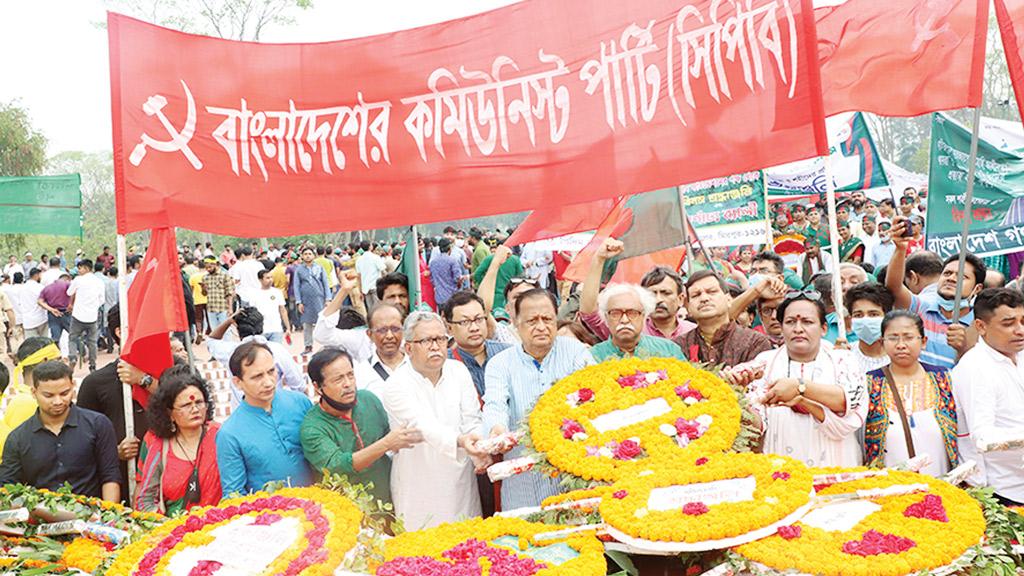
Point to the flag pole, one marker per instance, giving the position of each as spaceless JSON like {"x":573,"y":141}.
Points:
{"x":769,"y":236}
{"x":968,"y":202}
{"x":126,"y":388}
{"x":833,"y":228}
{"x":685,"y":221}
{"x":416,"y":252}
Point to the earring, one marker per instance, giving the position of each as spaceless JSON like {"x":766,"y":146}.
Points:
{"x":174,"y":427}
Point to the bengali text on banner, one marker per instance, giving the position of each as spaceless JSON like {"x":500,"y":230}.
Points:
{"x":533,"y":105}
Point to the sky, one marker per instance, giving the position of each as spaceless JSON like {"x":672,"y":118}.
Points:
{"x":54,"y":60}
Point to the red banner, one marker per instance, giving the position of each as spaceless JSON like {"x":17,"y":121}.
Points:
{"x":902,"y":57}
{"x":1013,"y":44}
{"x":541,"y":103}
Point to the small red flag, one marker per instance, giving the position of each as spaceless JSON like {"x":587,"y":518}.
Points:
{"x":901,"y":57}
{"x":156,"y":306}
{"x":545,"y":223}
{"x":1013,"y":44}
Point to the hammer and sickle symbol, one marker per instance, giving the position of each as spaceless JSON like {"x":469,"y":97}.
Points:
{"x":179,"y":140}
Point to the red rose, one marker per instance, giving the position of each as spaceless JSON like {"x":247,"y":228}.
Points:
{"x":789,"y":532}
{"x":701,"y":461}
{"x":620,"y":494}
{"x":570,"y":428}
{"x":585,"y":395}
{"x":695,"y":508}
{"x":780,"y":475}
{"x":627,"y":450}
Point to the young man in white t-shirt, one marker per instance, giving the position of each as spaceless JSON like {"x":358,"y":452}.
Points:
{"x":270,"y":302}
{"x":245,"y":274}
{"x":88,"y":293}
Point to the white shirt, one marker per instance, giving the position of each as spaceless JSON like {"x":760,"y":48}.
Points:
{"x":246,"y":282}
{"x":826,"y":261}
{"x":10,"y":269}
{"x":370,"y":268}
{"x":367,"y":377}
{"x":433,"y":482}
{"x":867,"y":363}
{"x":540,"y":263}
{"x":269,"y":303}
{"x":355,"y":341}
{"x":989,"y":392}
{"x":25,"y":299}
{"x":48,"y":277}
{"x":90,"y":294}
{"x":832,"y":442}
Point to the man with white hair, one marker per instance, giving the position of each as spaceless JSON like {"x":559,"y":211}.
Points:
{"x":433,"y":482}
{"x":625,"y":308}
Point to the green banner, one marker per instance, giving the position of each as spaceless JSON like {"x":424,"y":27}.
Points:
{"x":997,"y":225}
{"x":728,"y":211}
{"x":41,"y":205}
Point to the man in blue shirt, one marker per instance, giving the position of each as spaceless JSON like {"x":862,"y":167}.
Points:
{"x":516,"y":377}
{"x":947,"y":341}
{"x":260,"y":442}
{"x":446,"y":272}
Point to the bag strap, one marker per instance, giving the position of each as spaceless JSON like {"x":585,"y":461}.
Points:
{"x":899,"y":408}
{"x":163,"y":469}
{"x":381,"y":371}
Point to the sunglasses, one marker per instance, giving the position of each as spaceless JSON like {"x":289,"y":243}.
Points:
{"x":806,"y":294}
{"x":521,"y":280}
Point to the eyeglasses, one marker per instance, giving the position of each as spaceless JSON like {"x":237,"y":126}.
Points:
{"x":901,"y":339}
{"x":438,"y":341}
{"x":197,"y":405}
{"x":630,"y":313}
{"x":385,"y":330}
{"x":808,"y":294}
{"x":469,"y":321}
{"x":522,"y":280}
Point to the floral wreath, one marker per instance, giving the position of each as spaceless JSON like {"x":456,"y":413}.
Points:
{"x":782,"y":490}
{"x":909,"y":533}
{"x":697,"y":413}
{"x":330,"y":523}
{"x":494,"y":545}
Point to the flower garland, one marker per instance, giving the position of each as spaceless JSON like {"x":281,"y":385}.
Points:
{"x":82,"y":507}
{"x":693,"y":412}
{"x":85,"y":554}
{"x":329,"y":524}
{"x":908,"y":534}
{"x":783,"y":485}
{"x":470,"y":546}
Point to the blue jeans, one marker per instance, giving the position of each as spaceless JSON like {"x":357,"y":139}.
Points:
{"x":82,"y":340}
{"x":275,"y":337}
{"x":216,"y":318}
{"x":58,"y":325}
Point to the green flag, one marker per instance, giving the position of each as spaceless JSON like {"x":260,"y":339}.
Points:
{"x":997,"y":224}
{"x":857,"y":166}
{"x":728,"y":211}
{"x":41,"y":205}
{"x":410,"y":266}
{"x":646,"y":222}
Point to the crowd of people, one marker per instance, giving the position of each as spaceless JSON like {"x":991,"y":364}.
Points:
{"x":400,"y":393}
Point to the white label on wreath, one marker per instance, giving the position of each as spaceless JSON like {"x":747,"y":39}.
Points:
{"x":710,"y":493}
{"x":241,"y":546}
{"x":841,"y":516}
{"x":632,"y":415}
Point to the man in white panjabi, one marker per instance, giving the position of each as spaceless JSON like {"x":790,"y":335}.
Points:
{"x":433,"y":482}
{"x":812,"y":398}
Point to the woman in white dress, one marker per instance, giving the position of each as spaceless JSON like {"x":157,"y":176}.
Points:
{"x":812,"y":398}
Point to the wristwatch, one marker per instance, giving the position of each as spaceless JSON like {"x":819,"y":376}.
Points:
{"x":146,"y":381}
{"x":801,"y":387}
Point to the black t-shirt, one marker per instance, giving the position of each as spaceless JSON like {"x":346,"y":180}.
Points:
{"x":102,"y":392}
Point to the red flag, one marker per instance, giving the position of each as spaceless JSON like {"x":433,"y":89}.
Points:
{"x":1013,"y":45}
{"x":901,"y":57}
{"x":539,"y":103}
{"x":546,"y":223}
{"x":156,"y":306}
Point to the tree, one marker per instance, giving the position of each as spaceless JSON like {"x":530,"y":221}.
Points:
{"x":232,"y":19}
{"x":22,"y":153}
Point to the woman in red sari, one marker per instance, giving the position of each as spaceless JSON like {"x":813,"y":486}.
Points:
{"x":179,"y":453}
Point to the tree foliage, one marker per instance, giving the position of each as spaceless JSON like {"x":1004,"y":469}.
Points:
{"x":22,"y":153}
{"x":232,"y":19}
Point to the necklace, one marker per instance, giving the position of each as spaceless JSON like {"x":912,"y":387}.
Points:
{"x":191,"y":460}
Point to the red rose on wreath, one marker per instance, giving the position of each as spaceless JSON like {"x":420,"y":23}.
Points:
{"x":585,"y":395}
{"x":570,"y":428}
{"x":695,"y":508}
{"x":627,"y":450}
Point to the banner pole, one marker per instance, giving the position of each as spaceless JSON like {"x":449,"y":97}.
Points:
{"x":126,"y":388}
{"x":769,"y":236}
{"x":416,"y":250}
{"x":833,"y":229}
{"x":968,"y":202}
{"x":686,"y":230}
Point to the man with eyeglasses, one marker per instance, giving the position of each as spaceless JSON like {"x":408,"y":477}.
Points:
{"x":518,"y":376}
{"x":467,"y":322}
{"x":433,"y":482}
{"x":625,"y":308}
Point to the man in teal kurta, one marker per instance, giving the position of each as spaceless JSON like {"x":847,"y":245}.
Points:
{"x":624,"y":308}
{"x":347,"y":433}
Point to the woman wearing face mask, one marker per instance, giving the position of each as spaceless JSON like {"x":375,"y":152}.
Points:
{"x":812,"y":398}
{"x":867,"y":303}
{"x":911,"y":410}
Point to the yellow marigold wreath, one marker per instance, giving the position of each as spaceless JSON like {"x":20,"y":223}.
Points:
{"x":424,"y":551}
{"x":703,"y":417}
{"x":908,"y":534}
{"x":783,"y":486}
{"x":329,"y":524}
{"x":84,"y":554}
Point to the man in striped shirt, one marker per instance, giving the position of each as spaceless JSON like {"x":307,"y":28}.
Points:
{"x":515,"y":378}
